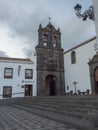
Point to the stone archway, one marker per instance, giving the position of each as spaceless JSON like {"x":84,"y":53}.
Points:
{"x":96,"y":80}
{"x":93,"y":67}
{"x":50,"y":85}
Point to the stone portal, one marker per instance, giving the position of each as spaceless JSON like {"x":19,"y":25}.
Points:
{"x":50,"y":85}
{"x":93,"y":66}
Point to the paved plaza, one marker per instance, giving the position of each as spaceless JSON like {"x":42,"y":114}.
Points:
{"x":15,"y":119}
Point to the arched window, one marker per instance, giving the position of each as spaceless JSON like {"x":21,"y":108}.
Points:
{"x":54,"y":40}
{"x":73,"y":57}
{"x":45,"y":40}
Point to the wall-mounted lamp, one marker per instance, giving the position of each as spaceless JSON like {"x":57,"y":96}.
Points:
{"x":87,"y":14}
{"x":19,"y":68}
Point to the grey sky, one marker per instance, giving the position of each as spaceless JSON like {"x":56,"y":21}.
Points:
{"x":20,"y":19}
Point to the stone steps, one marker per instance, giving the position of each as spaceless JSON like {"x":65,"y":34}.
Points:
{"x":81,"y":106}
{"x":76,"y":108}
{"x":79,"y":124}
{"x":80,"y":111}
{"x":64,"y":108}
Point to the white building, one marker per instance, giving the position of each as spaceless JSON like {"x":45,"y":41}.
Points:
{"x":77,"y":74}
{"x":81,"y":63}
{"x":17,"y":77}
{"x":95,"y":5}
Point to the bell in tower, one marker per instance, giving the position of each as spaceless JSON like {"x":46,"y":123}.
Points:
{"x":50,"y":61}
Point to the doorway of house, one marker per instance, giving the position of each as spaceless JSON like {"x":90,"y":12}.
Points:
{"x":96,"y":80}
{"x":51,"y":84}
{"x":28,"y":90}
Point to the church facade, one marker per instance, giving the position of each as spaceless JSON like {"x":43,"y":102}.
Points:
{"x":49,"y":61}
{"x":81,"y":63}
{"x":81,"y":67}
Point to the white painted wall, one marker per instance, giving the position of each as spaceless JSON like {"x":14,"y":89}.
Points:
{"x":95,"y":5}
{"x":33,"y":58}
{"x":79,"y":71}
{"x":17,"y":81}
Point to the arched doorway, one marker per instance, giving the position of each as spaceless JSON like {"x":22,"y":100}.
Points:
{"x":51,"y":85}
{"x":96,"y":80}
{"x":93,"y":67}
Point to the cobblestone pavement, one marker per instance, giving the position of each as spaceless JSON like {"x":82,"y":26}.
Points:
{"x":16,"y":119}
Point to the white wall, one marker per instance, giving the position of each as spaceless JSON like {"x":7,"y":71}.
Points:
{"x":17,"y":81}
{"x":79,"y":71}
{"x":33,"y":58}
{"x":95,"y":5}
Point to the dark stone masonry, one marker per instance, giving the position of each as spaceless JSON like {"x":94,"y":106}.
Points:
{"x":50,"y":62}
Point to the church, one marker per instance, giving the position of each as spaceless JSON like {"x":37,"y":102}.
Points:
{"x":58,"y":71}
{"x":81,"y":63}
{"x":49,"y":61}
{"x":55,"y":71}
{"x":81,"y":69}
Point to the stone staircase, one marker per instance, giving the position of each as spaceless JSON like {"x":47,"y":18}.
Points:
{"x":78,"y":111}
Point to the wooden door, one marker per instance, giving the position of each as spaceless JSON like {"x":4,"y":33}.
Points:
{"x":28,"y":90}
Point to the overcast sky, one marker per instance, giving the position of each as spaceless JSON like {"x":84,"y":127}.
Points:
{"x":20,"y":19}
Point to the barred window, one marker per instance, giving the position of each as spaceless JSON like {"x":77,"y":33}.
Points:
{"x":8,"y":72}
{"x":7,"y":91}
{"x":28,"y":73}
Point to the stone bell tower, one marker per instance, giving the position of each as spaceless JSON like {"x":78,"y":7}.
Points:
{"x":50,"y":61}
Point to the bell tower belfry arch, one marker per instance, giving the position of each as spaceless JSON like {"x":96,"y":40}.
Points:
{"x":50,"y":61}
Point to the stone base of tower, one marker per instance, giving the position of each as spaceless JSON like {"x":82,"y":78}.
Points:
{"x":41,"y":92}
{"x":51,"y":84}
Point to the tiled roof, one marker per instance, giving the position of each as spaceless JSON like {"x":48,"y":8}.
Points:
{"x":15,"y":59}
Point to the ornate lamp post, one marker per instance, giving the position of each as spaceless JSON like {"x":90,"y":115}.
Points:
{"x":87,"y":14}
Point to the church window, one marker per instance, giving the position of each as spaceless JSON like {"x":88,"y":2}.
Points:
{"x":54,"y":41}
{"x":73,"y":57}
{"x":45,"y":40}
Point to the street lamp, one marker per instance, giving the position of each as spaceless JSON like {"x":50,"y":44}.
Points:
{"x":87,"y":14}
